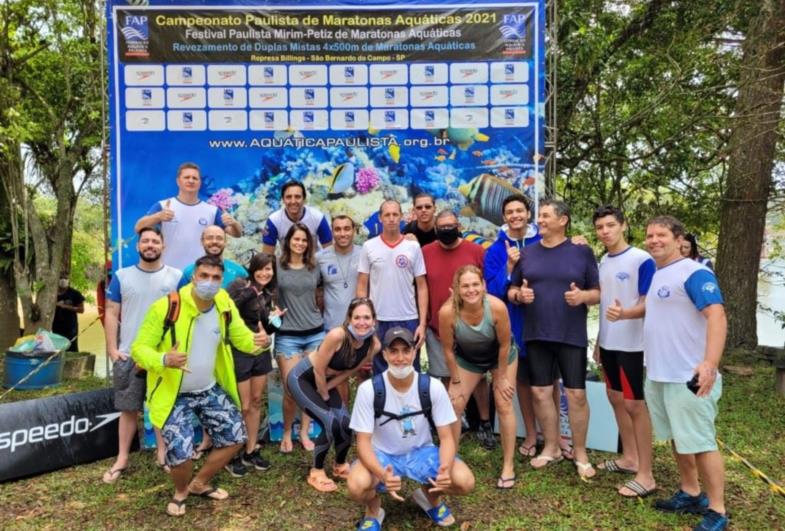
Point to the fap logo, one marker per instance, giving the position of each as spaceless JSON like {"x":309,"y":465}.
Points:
{"x":402,"y":261}
{"x":348,"y":73}
{"x":509,"y":69}
{"x":430,"y":116}
{"x":513,"y":26}
{"x":468,"y":94}
{"x":622,"y":276}
{"x":664,"y":292}
{"x":188,"y":74}
{"x":269,"y":119}
{"x":389,"y":95}
{"x":429,"y":72}
{"x":308,"y":117}
{"x":136,"y":32}
{"x":509,"y":116}
{"x":228,"y":96}
{"x":349,"y":118}
{"x":389,"y":117}
{"x":147,"y":96}
{"x":309,"y":96}
{"x":269,"y":74}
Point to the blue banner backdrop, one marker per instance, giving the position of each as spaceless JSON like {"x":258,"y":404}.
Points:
{"x":359,"y":100}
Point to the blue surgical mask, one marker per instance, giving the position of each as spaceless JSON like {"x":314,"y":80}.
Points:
{"x":362,"y":337}
{"x":206,"y":289}
{"x":275,"y":320}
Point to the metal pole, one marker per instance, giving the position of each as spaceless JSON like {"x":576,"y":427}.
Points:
{"x":104,"y":156}
{"x":551,"y":94}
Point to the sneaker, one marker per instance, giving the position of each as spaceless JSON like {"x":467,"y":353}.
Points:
{"x":681,"y":502}
{"x":486,"y":436}
{"x":712,"y":521}
{"x":236,"y":467}
{"x":255,"y":460}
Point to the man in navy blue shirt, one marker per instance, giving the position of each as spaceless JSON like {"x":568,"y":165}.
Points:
{"x":557,"y":280}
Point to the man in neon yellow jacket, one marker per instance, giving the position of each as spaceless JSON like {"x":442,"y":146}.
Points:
{"x":190,"y":370}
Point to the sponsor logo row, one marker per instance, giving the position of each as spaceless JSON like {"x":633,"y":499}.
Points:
{"x":320,"y":75}
{"x":321,"y":97}
{"x":321,"y":120}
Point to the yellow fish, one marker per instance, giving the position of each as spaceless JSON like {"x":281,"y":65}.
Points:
{"x":395,"y":152}
{"x":485,"y":194}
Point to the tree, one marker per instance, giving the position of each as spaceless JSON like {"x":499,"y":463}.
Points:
{"x":49,"y":131}
{"x":752,"y":151}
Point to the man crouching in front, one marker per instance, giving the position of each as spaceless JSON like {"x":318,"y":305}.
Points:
{"x":392,"y":416}
{"x":184,"y":345}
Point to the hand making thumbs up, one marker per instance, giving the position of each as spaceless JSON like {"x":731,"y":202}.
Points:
{"x":176,"y":359}
{"x":166,"y":213}
{"x":513,"y":255}
{"x":573,"y":296}
{"x":227,"y":219}
{"x":526,"y":293}
{"x":392,"y":482}
{"x":260,"y":338}
{"x":615,"y":312}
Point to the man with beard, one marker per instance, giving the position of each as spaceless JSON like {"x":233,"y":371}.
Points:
{"x":133,"y":289}
{"x":214,"y":242}
{"x":338,"y":264}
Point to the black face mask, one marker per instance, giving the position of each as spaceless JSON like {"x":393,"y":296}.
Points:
{"x":448,"y":236}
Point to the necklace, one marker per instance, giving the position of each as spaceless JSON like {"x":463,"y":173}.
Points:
{"x":344,"y":273}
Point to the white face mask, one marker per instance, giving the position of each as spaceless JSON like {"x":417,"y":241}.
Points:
{"x":206,"y":289}
{"x":399,"y":373}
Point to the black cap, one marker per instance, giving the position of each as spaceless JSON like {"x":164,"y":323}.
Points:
{"x":398,"y":333}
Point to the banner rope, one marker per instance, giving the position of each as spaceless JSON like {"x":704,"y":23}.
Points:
{"x":46,"y":361}
{"x":756,"y":472}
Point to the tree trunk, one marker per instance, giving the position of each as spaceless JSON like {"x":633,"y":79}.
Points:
{"x":752,"y":150}
{"x":9,"y":318}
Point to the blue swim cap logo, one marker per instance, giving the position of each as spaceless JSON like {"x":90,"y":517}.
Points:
{"x":664,"y":292}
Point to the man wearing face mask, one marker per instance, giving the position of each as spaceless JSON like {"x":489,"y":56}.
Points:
{"x":214,"y":242}
{"x":398,"y":442}
{"x":190,"y":371}
{"x":69,"y":303}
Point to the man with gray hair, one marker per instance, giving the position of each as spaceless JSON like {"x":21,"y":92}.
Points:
{"x":557,"y":280}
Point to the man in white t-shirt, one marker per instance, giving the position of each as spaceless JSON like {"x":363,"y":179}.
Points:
{"x":625,"y":276}
{"x":684,"y":336}
{"x":390,"y":266}
{"x":132,"y":290}
{"x":183,"y":218}
{"x":294,"y":211}
{"x":398,"y":442}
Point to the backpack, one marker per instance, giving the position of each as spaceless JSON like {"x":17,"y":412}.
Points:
{"x":173,"y":313}
{"x":424,"y":390}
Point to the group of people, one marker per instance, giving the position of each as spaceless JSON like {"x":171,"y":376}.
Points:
{"x":330,"y":310}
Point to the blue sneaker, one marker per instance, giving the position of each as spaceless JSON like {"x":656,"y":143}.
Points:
{"x":681,"y":502}
{"x":371,"y":524}
{"x":712,"y":521}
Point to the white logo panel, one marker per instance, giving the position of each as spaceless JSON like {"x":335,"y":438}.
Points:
{"x":228,"y":120}
{"x":347,"y":97}
{"x":389,"y":119}
{"x":509,"y":117}
{"x":348,"y":75}
{"x":389,"y":75}
{"x":430,"y":118}
{"x":268,"y":98}
{"x":469,"y":73}
{"x":145,"y":120}
{"x":144,"y":98}
{"x":268,"y":120}
{"x":349,"y":120}
{"x":307,"y":120}
{"x":185,"y":98}
{"x":469,"y":117}
{"x":267,"y":75}
{"x":308,"y":97}
{"x":509,"y":94}
{"x":429,"y":96}
{"x":143,"y":75}
{"x":308,"y":75}
{"x":428,"y":74}
{"x":512,"y":72}
{"x":389,"y":97}
{"x":469,"y":95}
{"x":185,"y":75}
{"x":186,"y":120}
{"x":226,"y":75}
{"x":227,"y":97}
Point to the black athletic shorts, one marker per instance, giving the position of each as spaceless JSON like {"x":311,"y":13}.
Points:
{"x":623,"y":372}
{"x":547,"y":356}
{"x":247,"y":366}
{"x":524,"y":371}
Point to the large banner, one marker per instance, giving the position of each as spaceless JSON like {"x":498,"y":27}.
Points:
{"x":359,"y":100}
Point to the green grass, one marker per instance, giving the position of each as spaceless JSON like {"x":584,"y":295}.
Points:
{"x":752,"y":422}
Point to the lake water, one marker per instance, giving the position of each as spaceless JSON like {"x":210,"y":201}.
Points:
{"x":771,"y":293}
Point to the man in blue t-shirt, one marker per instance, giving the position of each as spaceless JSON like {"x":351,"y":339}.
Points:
{"x":557,"y":280}
{"x":293,"y":211}
{"x":214,"y":242}
{"x":183,"y":218}
{"x":683,"y":339}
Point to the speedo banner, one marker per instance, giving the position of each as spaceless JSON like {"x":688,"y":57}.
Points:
{"x":359,"y":100}
{"x":50,"y":433}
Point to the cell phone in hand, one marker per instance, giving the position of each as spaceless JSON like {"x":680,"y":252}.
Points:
{"x":693,"y":386}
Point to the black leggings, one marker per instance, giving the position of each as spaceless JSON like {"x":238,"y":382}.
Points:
{"x":331,"y":415}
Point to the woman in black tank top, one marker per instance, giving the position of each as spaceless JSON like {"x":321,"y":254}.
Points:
{"x":314,"y":382}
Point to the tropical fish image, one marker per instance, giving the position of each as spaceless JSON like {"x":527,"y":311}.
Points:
{"x":341,"y":179}
{"x":485,"y":193}
{"x":475,"y":237}
{"x":461,"y":137}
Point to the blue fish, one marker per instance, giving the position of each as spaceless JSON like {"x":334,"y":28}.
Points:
{"x":342,"y":178}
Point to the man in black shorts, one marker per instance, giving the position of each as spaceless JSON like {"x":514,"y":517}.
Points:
{"x":557,"y":280}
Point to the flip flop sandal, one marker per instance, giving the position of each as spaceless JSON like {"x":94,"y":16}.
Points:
{"x":639,"y":490}
{"x":527,"y":451}
{"x":342,"y":472}
{"x":308,"y":444}
{"x":612,"y":466}
{"x":199,"y":453}
{"x":163,"y":466}
{"x":179,"y":507}
{"x":286,"y":448}
{"x":369,"y":523}
{"x":211,"y":493}
{"x":567,"y":453}
{"x":583,"y":469}
{"x":549,"y":460}
{"x":324,"y":484}
{"x":439,"y":515}
{"x":504,"y":483}
{"x":113,"y":474}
